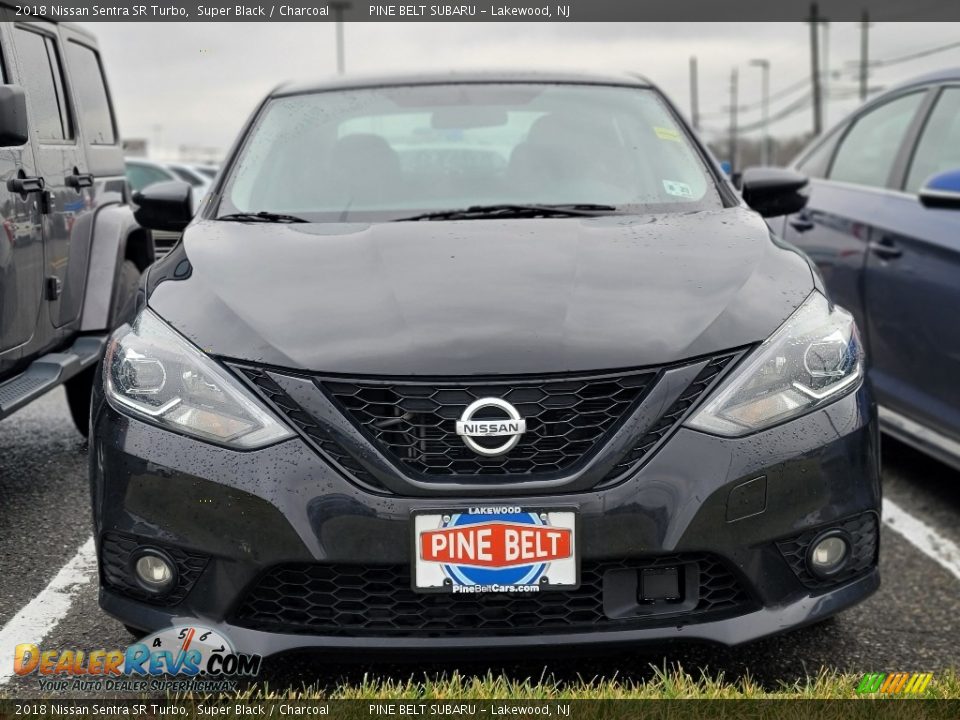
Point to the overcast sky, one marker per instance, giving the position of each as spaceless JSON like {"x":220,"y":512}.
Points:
{"x":195,"y":83}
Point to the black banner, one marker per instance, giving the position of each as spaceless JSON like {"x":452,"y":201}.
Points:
{"x":430,"y":709}
{"x":496,"y":11}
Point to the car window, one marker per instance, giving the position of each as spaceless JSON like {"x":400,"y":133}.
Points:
{"x":91,"y":94}
{"x":816,"y":162}
{"x":939,"y":146}
{"x":868,"y":151}
{"x":42,"y":76}
{"x":390,"y":152}
{"x":140,"y":176}
{"x":186,"y":176}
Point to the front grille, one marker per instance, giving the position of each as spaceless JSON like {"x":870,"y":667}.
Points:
{"x":415,"y":422}
{"x":863,"y":533}
{"x":116,"y":568}
{"x":378,"y":600}
{"x":306,"y":424}
{"x":688,"y":398}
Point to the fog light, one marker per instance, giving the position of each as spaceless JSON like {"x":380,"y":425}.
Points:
{"x":155,"y":572}
{"x":828,"y":554}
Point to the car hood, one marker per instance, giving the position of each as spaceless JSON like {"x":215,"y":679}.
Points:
{"x":480,"y":296}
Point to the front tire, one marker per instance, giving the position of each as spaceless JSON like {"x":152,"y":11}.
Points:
{"x":79,"y":389}
{"x":123,"y":306}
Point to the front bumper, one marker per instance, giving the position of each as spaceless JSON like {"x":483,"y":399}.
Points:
{"x":237,"y":516}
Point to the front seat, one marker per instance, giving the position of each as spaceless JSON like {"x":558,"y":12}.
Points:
{"x":563,"y":160}
{"x":364,"y":171}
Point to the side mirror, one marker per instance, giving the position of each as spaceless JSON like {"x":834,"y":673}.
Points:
{"x":13,"y":116}
{"x":164,"y":206}
{"x":942,"y":191}
{"x":774,"y":191}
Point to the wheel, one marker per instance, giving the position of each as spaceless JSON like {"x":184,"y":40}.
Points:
{"x":79,"y":388}
{"x":122,"y":308}
{"x":123,"y":305}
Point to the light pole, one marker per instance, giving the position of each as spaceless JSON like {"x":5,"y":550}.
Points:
{"x":694,"y":94}
{"x":764,"y":66}
{"x":338,"y":7}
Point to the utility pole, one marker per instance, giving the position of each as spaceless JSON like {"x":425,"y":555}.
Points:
{"x":764,"y":66}
{"x":694,"y":94}
{"x":338,"y":7}
{"x":815,"y":69}
{"x":825,"y":84}
{"x":864,"y":53}
{"x":734,"y":165}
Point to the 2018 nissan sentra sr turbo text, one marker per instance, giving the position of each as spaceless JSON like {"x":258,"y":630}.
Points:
{"x":481,"y":361}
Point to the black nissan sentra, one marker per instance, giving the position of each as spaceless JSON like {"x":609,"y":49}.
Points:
{"x":481,"y":361}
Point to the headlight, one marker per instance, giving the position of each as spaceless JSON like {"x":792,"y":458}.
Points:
{"x":155,"y":374}
{"x":814,"y":358}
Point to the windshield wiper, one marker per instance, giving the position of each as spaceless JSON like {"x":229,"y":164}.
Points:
{"x":262,"y":216}
{"x":476,"y":212}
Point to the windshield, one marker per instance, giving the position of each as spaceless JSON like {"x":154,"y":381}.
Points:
{"x":389,"y":153}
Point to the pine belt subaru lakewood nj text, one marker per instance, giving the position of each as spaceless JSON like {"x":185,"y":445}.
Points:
{"x":481,"y":361}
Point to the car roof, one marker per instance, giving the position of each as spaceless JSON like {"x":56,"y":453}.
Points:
{"x":474,"y":76}
{"x":144,"y":161}
{"x":80,"y":29}
{"x":937,"y":76}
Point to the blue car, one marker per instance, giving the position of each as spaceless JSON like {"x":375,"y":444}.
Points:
{"x":883,"y":226}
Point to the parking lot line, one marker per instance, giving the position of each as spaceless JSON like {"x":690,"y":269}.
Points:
{"x":41,"y":615}
{"x":923,"y":537}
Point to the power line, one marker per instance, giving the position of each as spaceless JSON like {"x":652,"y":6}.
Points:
{"x":799,"y":105}
{"x":915,"y":55}
{"x":856,"y":68}
{"x":793,"y":108}
{"x":854,"y":64}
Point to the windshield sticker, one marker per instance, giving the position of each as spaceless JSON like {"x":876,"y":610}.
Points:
{"x":677,"y":188}
{"x":667,"y":134}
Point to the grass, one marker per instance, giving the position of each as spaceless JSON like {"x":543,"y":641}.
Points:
{"x":666,"y":684}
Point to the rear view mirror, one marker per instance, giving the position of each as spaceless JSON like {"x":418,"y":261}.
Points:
{"x":164,"y":206}
{"x":942,"y":191}
{"x":13,"y":116}
{"x":465,"y":118}
{"x":774,"y":191}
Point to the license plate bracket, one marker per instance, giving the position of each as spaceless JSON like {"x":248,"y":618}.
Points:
{"x":515,"y":549}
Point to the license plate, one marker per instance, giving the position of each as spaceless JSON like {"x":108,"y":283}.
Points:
{"x":495,"y":549}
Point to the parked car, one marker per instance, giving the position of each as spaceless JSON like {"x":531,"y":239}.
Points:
{"x":883,"y":226}
{"x":208,"y":171}
{"x":143,"y":173}
{"x":190,"y":175}
{"x":71,"y":252}
{"x":391,"y":392}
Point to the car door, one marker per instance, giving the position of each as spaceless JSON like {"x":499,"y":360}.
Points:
{"x":61,"y":163}
{"x":850,"y":181}
{"x":99,"y":139}
{"x":21,"y":241}
{"x":912,"y":283}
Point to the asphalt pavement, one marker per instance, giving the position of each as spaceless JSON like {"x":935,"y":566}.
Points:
{"x":911,"y":624}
